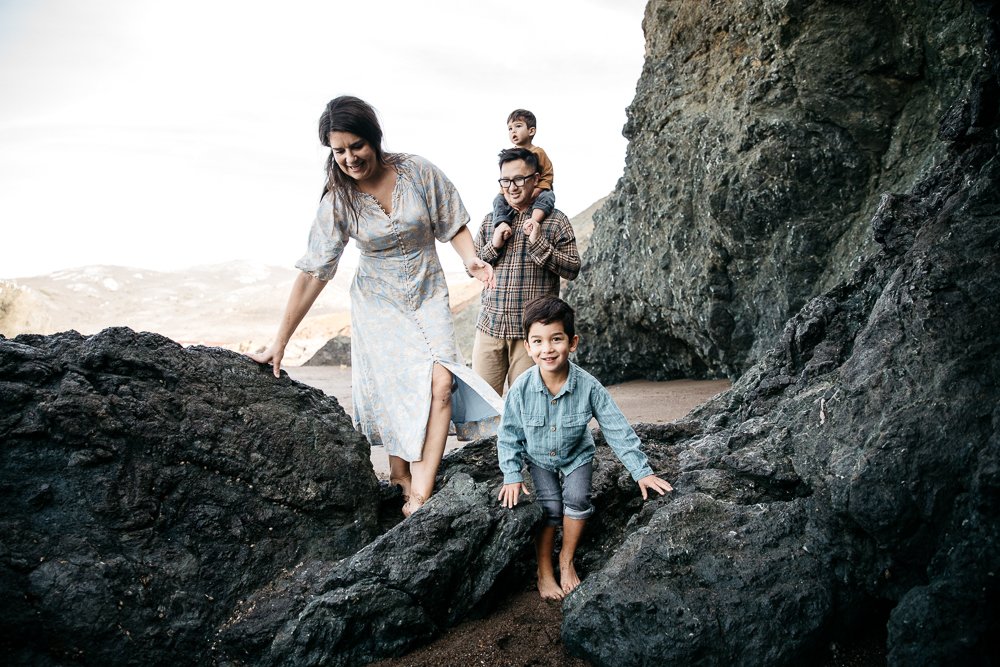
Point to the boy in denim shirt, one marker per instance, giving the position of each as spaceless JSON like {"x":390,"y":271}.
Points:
{"x":545,"y":419}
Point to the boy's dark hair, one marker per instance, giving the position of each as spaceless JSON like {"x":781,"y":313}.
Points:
{"x":546,"y":310}
{"x":511,"y":154}
{"x":522,"y":114}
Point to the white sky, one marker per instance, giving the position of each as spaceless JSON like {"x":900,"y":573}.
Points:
{"x":162,"y":135}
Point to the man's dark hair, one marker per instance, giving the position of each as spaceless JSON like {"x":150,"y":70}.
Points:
{"x":547,"y":309}
{"x":511,"y":154}
{"x":522,"y":114}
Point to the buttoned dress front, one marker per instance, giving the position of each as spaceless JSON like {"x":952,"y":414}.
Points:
{"x":401,"y":323}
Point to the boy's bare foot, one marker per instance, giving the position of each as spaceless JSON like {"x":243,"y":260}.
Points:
{"x":548,"y":588}
{"x":568,"y":576}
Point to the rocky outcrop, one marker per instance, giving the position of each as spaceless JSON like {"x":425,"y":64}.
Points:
{"x":424,"y":575}
{"x":335,"y":352}
{"x":148,"y":488}
{"x":761,"y":137}
{"x":848,"y":483}
{"x":165,"y":505}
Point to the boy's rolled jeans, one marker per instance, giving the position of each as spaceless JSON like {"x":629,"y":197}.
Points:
{"x":571,"y":498}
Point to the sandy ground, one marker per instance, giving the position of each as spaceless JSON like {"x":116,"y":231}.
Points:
{"x":641,"y":401}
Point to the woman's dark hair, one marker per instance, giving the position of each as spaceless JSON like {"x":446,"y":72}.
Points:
{"x":350,"y":114}
{"x":547,"y":309}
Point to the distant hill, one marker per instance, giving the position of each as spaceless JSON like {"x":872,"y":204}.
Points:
{"x":235,"y":305}
{"x":583,"y":224}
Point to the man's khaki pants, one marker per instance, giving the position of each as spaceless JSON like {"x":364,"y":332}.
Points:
{"x":499,"y":359}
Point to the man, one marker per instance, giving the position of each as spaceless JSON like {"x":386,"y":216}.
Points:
{"x":528,"y":260}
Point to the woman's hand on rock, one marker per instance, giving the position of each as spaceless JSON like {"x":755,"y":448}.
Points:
{"x":272,"y":355}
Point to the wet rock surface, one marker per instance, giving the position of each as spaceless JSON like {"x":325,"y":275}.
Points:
{"x":761,"y":137}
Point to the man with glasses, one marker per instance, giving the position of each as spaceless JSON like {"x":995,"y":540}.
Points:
{"x":528,"y":260}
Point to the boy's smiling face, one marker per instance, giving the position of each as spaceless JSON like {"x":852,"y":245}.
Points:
{"x":549,"y":346}
{"x":520,"y":133}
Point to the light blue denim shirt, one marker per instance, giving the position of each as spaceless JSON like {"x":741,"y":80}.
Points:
{"x":552,"y":430}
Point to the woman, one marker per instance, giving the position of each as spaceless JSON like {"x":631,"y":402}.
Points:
{"x":408,"y":377}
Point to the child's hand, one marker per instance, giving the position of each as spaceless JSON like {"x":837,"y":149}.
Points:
{"x":510,"y":493}
{"x":653,"y":483}
{"x":531,"y":229}
{"x":500,"y":235}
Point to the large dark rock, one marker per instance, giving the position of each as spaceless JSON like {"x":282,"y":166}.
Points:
{"x":424,"y":575}
{"x":148,"y":488}
{"x":165,"y":505}
{"x":849,"y":483}
{"x":761,"y":135}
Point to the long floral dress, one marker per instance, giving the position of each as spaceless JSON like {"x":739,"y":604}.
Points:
{"x":400,"y":320}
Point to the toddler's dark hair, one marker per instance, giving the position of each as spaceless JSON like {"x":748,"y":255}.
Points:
{"x":546,"y":310}
{"x":522,"y":114}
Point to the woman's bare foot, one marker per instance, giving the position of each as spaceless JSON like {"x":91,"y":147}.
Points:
{"x":548,"y":588}
{"x":568,"y":576}
{"x":413,"y":503}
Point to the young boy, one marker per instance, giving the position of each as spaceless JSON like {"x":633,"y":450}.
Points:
{"x":545,"y":421}
{"x":521,"y":127}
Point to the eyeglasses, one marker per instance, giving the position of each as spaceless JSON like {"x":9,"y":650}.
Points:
{"x":518,"y":181}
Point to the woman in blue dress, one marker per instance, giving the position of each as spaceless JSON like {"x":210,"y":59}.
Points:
{"x":408,"y":378}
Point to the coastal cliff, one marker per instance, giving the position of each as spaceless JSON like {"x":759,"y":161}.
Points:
{"x":761,"y":138}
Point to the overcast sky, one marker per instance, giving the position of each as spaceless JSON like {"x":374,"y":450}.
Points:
{"x":162,"y":135}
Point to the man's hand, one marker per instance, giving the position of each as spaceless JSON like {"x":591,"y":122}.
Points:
{"x":653,"y":483}
{"x":510,"y":493}
{"x":500,"y":235}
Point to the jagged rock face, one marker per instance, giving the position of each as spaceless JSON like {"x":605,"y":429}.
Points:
{"x":147,"y":488}
{"x":761,"y":137}
{"x":850,"y":480}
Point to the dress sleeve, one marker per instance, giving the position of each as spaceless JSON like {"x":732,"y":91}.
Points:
{"x":327,"y":239}
{"x":444,"y":205}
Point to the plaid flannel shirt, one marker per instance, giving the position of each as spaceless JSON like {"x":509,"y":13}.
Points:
{"x":524,"y":270}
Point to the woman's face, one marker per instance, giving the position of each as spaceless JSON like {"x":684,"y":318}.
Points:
{"x":354,"y":155}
